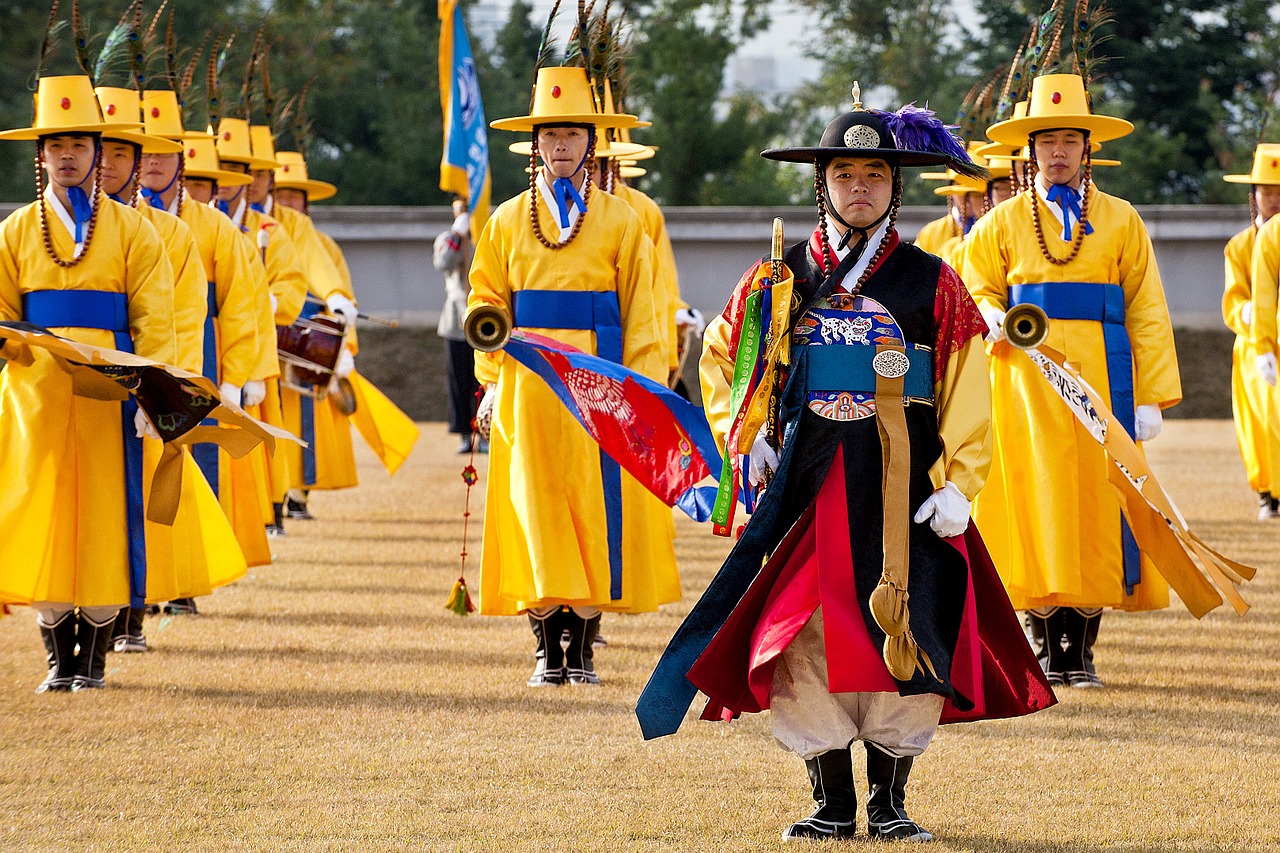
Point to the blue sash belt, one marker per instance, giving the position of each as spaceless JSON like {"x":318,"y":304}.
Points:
{"x":1102,"y":303}
{"x":97,"y":309}
{"x":848,"y":368}
{"x":598,"y":312}
{"x":206,"y":455}
{"x":307,"y":411}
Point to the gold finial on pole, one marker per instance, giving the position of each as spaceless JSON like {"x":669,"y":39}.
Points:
{"x":857,"y":96}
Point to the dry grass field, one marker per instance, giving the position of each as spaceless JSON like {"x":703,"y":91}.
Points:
{"x":329,"y":702}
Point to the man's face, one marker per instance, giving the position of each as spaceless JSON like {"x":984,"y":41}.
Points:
{"x":1059,"y":154}
{"x":201,"y":189}
{"x":158,"y":170}
{"x":972,"y":205}
{"x":118,"y":159}
{"x":292,"y":199}
{"x":261,"y":186}
{"x":68,"y":160}
{"x":230,"y":194}
{"x":563,"y":149}
{"x":1001,"y":190}
{"x":859,"y":190}
{"x":1268,"y":200}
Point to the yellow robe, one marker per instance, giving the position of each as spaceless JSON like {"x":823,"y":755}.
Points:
{"x":242,"y":302}
{"x":665,"y":276}
{"x":61,"y":456}
{"x":937,"y":232}
{"x":1049,"y":517}
{"x":544,"y":527}
{"x":389,"y":432}
{"x":1253,"y":402}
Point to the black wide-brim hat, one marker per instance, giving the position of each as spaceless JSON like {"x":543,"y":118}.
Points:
{"x":909,"y":137}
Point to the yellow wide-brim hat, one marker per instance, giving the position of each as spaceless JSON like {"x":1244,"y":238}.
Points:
{"x":1266,"y":167}
{"x":562,"y":95}
{"x":200,"y":160}
{"x":67,"y":105}
{"x":630,"y":171}
{"x":1020,"y":157}
{"x":234,"y":145}
{"x":292,"y":175}
{"x":603,"y":149}
{"x":262,"y":144}
{"x":1058,"y":101}
{"x":115,"y":101}
{"x":162,"y":116}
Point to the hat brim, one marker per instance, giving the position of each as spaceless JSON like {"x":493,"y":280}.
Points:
{"x":224,"y":178}
{"x":148,"y":143}
{"x":632,"y":171}
{"x":255,"y":164}
{"x":629,"y":150}
{"x":892,"y":156}
{"x":32,"y":133}
{"x":616,"y":121}
{"x":1016,"y":131}
{"x":315,"y":190}
{"x":1249,"y":179}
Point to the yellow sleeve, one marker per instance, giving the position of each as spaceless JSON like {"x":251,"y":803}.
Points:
{"x":235,"y":287}
{"x":1146,"y":317}
{"x":642,"y":304}
{"x":190,"y":295}
{"x":267,"y":362}
{"x":715,"y":375}
{"x":963,"y":399}
{"x":985,"y":265}
{"x":323,"y":277}
{"x":665,"y":273}
{"x":10,"y":295}
{"x":1237,"y":290}
{"x":285,"y":276}
{"x":149,"y":288}
{"x":1264,"y":273}
{"x":490,"y":286}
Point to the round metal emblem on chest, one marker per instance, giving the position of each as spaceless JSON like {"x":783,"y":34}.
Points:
{"x":890,"y":364}
{"x":861,"y":136}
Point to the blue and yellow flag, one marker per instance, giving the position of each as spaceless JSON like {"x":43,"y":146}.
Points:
{"x":464,"y":166}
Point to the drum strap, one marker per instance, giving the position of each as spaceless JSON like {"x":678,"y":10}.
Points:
{"x":98,"y":309}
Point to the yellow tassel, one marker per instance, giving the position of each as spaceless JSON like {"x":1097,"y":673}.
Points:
{"x":459,"y":599}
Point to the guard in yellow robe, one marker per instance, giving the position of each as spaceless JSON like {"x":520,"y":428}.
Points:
{"x":72,"y":511}
{"x":563,"y":524}
{"x":198,"y":551}
{"x":938,"y":231}
{"x":1049,"y":515}
{"x":1253,"y":395}
{"x":389,"y":432}
{"x":236,"y":299}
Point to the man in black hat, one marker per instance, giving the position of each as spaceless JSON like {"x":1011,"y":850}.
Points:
{"x":881,"y":445}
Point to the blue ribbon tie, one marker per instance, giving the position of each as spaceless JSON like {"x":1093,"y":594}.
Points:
{"x":81,"y":210}
{"x":564,"y":192}
{"x":1068,"y":200}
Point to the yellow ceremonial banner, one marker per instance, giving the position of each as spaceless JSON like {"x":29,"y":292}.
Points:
{"x":389,"y":432}
{"x":1160,"y":530}
{"x":174,"y":400}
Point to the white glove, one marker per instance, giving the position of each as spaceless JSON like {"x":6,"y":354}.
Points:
{"x":1246,"y":313}
{"x":254,"y":393}
{"x":995,"y":324}
{"x":691,"y":317}
{"x":484,"y":412}
{"x":947,"y":511}
{"x":230,"y":392}
{"x":339,"y":304}
{"x":462,"y":225}
{"x":275,"y":303}
{"x":1267,"y":367}
{"x":1147,"y":422}
{"x":142,"y":426}
{"x":346,"y":364}
{"x":764,"y":460}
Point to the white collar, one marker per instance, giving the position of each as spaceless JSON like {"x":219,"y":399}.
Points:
{"x":1042,"y":190}
{"x":860,"y":266}
{"x":549,"y":197}
{"x":64,"y":216}
{"x":237,"y":215}
{"x":268,"y":205}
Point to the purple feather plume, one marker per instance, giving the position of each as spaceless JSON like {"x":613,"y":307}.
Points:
{"x":917,"y":129}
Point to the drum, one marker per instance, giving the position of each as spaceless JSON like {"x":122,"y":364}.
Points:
{"x":309,"y":351}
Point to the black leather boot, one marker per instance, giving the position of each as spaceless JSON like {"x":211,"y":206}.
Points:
{"x":91,"y":659}
{"x":1046,"y":641}
{"x":886,"y":805}
{"x":276,"y":528}
{"x":60,"y":646}
{"x":295,"y":506}
{"x":549,"y":656}
{"x":182,"y":607}
{"x":578,"y":657}
{"x":1082,"y":633}
{"x":836,"y":815}
{"x":127,"y":634}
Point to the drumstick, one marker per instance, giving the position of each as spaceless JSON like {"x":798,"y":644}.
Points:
{"x":391,"y":324}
